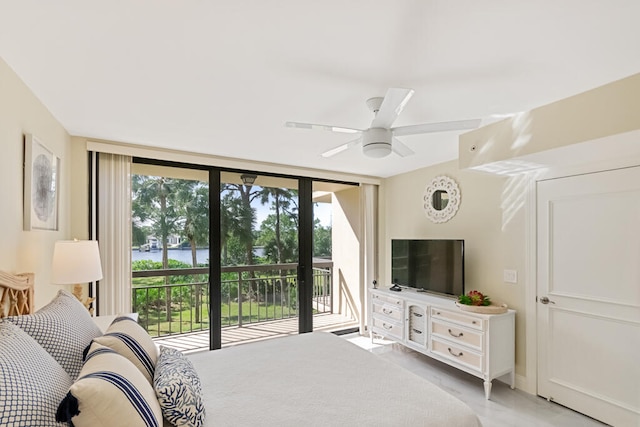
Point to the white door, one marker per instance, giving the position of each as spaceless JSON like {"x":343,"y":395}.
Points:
{"x":589,"y":294}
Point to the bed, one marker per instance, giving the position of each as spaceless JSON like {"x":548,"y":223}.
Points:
{"x":308,"y":379}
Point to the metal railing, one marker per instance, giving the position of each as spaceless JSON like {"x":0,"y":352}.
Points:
{"x":176,"y":301}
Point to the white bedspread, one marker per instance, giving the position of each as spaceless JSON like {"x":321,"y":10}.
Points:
{"x":319,"y":379}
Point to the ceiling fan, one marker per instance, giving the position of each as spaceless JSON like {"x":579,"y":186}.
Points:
{"x":379,"y":140}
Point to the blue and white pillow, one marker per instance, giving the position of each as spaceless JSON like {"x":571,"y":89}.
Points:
{"x":63,"y":327}
{"x":178,"y":389}
{"x":110,"y":391}
{"x":128,"y":338}
{"x":32,"y":383}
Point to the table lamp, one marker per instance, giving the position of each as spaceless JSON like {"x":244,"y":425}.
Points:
{"x":76,"y":262}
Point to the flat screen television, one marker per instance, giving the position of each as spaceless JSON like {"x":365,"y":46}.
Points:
{"x":429,"y":265}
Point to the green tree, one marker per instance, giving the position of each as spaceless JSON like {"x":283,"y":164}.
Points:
{"x":279,"y":246}
{"x":153,"y":203}
{"x":192,"y":201}
{"x":192,"y":198}
{"x":321,"y":240}
{"x":237,"y":222}
{"x":284,"y":206}
{"x":139,"y":234}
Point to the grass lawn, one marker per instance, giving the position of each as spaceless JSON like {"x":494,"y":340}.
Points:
{"x":184,"y":321}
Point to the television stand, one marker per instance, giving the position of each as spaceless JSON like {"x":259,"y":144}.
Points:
{"x":482,"y":345}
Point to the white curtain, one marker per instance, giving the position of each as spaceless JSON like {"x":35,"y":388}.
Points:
{"x":114,"y":232}
{"x":369,"y":209}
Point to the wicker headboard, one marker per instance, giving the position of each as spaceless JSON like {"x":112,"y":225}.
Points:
{"x":16,"y":294}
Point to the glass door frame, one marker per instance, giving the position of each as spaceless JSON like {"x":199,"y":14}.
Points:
{"x":305,"y":242}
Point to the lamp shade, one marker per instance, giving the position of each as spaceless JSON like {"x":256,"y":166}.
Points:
{"x":75,"y":261}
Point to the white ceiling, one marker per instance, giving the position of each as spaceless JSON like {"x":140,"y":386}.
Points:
{"x":222,"y":77}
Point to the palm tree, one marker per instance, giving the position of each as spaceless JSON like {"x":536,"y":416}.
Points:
{"x":237,"y":221}
{"x":192,"y":198}
{"x":284,"y":203}
{"x":152,"y":202}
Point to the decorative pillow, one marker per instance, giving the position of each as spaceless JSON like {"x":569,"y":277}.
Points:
{"x":178,"y":389}
{"x":63,"y":327}
{"x":32,"y":383}
{"x":110,"y":388}
{"x":128,"y":338}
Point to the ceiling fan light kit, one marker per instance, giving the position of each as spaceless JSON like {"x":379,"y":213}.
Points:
{"x":379,"y":140}
{"x":376,"y":142}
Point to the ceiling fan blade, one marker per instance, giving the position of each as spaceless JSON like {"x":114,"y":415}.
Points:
{"x":400,"y":149}
{"x":320,"y":127}
{"x":392,"y":105}
{"x":436,"y":127}
{"x":341,"y":148}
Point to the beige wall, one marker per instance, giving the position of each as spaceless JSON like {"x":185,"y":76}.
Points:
{"x":79,"y":215}
{"x":28,"y":251}
{"x":601,"y":112}
{"x":345,"y":236}
{"x":490,"y":220}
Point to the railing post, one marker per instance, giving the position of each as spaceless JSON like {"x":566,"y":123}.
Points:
{"x":330,"y":282}
{"x":240,"y":299}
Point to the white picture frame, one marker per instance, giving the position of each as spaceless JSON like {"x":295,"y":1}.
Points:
{"x":41,"y":186}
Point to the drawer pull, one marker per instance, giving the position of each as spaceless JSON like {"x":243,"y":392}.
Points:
{"x":438,"y":313}
{"x":387,"y":327}
{"x":453,"y":354}
{"x":454,"y":335}
{"x":417,"y":314}
{"x":417,"y":331}
{"x":475,"y":322}
{"x":385,"y":311}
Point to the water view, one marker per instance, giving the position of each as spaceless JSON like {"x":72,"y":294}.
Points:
{"x":182,"y":255}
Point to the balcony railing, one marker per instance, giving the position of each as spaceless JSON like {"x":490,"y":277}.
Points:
{"x":176,"y":301}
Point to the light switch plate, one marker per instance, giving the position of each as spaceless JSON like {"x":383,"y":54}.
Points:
{"x":510,"y":276}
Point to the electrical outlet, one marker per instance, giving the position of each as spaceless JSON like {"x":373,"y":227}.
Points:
{"x":510,"y":276}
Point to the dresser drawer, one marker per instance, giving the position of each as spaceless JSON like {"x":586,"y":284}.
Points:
{"x":456,"y":353}
{"x":417,"y":336}
{"x":417,"y":319}
{"x":456,"y":334}
{"x":392,"y":311}
{"x":388,"y":299}
{"x":457,"y":317}
{"x":388,"y":328}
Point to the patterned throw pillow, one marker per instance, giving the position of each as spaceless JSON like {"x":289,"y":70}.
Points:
{"x":178,"y":389}
{"x":63,"y":327}
{"x":110,"y":391}
{"x":130,"y":340}
{"x":32,"y":383}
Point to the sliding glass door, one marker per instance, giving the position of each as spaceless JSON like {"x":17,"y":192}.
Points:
{"x":221,"y":257}
{"x":259,"y":256}
{"x":170,"y":248}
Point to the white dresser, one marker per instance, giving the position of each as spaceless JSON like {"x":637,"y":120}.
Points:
{"x":480,"y":344}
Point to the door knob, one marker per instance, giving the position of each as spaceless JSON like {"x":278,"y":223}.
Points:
{"x":546,"y":300}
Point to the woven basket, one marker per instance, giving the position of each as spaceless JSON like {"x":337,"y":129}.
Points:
{"x":484,"y":309}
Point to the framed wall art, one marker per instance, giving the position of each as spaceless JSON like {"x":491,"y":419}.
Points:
{"x":41,"y":186}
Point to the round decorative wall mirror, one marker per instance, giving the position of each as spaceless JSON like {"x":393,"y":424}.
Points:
{"x":441,"y":199}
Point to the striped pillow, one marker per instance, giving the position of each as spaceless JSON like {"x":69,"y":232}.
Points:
{"x":130,"y":340}
{"x":110,"y":386}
